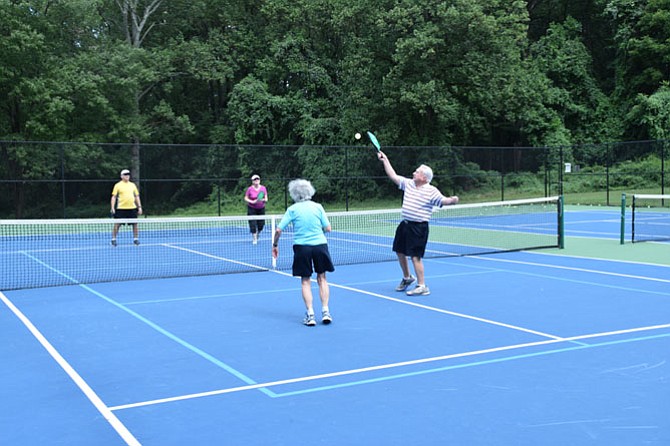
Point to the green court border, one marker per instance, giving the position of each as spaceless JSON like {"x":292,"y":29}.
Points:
{"x":611,"y":249}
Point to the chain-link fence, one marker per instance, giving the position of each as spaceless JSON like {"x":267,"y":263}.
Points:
{"x":599,"y":173}
{"x":74,"y":180}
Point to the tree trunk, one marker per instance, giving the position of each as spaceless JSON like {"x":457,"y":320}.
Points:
{"x":135,"y":161}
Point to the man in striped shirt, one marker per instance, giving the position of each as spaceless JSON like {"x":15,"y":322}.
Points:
{"x":411,"y":236}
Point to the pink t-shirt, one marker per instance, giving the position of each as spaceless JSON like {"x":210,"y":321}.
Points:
{"x":252,"y":194}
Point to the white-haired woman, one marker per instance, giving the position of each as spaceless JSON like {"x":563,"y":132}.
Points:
{"x":310,"y":246}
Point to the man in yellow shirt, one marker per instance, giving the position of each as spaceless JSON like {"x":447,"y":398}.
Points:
{"x":125,"y":203}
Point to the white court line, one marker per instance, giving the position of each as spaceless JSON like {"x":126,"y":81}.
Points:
{"x":610,"y":235}
{"x":200,"y":253}
{"x":207,"y":296}
{"x":553,"y":339}
{"x":451,"y":313}
{"x":606,"y":220}
{"x":584,"y":270}
{"x":393,"y":299}
{"x":599,"y":259}
{"x":384,"y":366}
{"x":105,"y":411}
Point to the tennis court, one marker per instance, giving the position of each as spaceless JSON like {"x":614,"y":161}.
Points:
{"x":550,"y":346}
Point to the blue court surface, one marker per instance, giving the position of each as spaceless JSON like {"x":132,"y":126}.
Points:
{"x":525,"y":348}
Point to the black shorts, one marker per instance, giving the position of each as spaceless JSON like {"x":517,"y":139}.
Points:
{"x":125,"y":213}
{"x":411,"y":238}
{"x":306,"y":256}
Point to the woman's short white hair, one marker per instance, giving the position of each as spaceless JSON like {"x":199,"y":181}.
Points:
{"x":301,"y":190}
{"x":427,"y":172}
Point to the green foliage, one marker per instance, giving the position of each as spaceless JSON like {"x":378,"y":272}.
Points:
{"x":525,"y":181}
{"x":628,"y":175}
{"x":249,"y":74}
{"x":574,"y":93}
{"x":642,"y":39}
{"x":440,"y":49}
{"x":424,"y":72}
{"x":637,"y":174}
{"x":653,"y":112}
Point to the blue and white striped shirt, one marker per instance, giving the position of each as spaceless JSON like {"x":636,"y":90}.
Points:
{"x":418,"y":202}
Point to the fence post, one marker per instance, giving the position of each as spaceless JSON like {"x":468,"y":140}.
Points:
{"x":560,"y":171}
{"x":218,"y":197}
{"x":346,"y":177}
{"x":502,"y":175}
{"x":607,"y":173}
{"x":546,"y":172}
{"x":61,"y":153}
{"x":561,"y":223}
{"x":663,"y":167}
{"x":623,"y":219}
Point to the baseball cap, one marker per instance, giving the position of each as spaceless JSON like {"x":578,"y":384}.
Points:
{"x":125,"y":172}
{"x":255,"y":177}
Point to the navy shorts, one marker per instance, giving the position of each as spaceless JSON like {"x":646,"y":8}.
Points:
{"x":308,"y":259}
{"x":411,"y":238}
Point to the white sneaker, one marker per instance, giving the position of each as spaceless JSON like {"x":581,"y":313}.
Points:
{"x":420,"y":290}
{"x":326,"y":318}
{"x":309,"y":320}
{"x":404,"y":283}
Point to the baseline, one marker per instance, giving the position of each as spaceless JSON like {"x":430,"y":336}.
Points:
{"x":420,"y":361}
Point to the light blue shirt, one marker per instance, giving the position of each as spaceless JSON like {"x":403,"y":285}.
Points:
{"x":309,"y":220}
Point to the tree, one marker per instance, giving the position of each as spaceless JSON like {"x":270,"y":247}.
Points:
{"x":452,"y":65}
{"x":640,"y":29}
{"x":652,"y":112}
{"x":574,"y":92}
{"x":134,"y":22}
{"x":33,"y":49}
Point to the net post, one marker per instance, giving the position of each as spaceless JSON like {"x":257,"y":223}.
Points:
{"x":622,"y":237}
{"x":561,"y":224}
{"x":632,"y":221}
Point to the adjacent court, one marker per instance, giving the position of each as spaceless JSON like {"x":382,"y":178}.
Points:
{"x":550,"y":346}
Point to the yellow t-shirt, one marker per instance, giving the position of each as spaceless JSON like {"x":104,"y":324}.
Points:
{"x":125,"y":193}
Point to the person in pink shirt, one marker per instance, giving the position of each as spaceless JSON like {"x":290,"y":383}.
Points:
{"x":256,"y":197}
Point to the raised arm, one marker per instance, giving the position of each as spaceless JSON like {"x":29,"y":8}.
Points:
{"x":388,"y":168}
